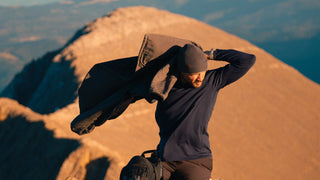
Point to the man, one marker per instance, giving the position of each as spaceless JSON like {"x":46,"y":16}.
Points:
{"x":184,"y":115}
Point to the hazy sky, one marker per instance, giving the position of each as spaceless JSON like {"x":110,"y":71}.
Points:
{"x":25,"y":2}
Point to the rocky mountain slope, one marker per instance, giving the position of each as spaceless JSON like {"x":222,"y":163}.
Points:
{"x":265,"y":126}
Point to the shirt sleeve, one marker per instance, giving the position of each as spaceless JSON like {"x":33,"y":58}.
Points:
{"x":239,"y":65}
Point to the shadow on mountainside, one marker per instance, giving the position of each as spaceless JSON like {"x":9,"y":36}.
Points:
{"x":30,"y":151}
{"x":44,"y":85}
{"x":96,"y":169}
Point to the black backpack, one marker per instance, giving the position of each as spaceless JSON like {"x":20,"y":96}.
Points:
{"x":142,"y":168}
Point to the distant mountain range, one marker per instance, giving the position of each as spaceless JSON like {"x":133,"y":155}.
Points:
{"x":290,"y":30}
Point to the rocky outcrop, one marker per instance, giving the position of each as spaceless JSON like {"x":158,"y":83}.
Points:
{"x":31,"y":150}
{"x":25,"y":85}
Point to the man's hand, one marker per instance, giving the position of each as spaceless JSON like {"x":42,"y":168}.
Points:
{"x":209,"y":54}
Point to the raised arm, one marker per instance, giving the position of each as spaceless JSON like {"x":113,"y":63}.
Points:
{"x":239,"y":64}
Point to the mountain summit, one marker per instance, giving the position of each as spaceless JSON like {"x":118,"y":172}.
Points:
{"x":264,"y":126}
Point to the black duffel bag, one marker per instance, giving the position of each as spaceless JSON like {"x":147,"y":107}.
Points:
{"x":143,"y":168}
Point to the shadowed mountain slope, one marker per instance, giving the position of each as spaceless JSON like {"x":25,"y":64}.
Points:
{"x":264,"y":126}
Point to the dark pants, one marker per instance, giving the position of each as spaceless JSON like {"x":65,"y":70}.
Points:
{"x":197,"y":169}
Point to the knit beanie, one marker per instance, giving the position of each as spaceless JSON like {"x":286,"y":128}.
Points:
{"x":191,"y":59}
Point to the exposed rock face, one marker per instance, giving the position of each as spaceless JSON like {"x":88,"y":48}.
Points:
{"x":29,"y":85}
{"x":265,"y":126}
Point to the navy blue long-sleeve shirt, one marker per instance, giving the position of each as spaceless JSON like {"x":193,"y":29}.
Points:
{"x":184,"y":115}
